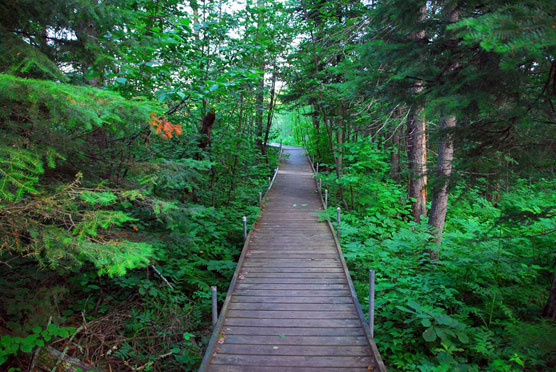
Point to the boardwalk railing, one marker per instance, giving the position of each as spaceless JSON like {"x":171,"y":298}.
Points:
{"x":368,"y":332}
{"x":217,"y":328}
{"x":358,"y":317}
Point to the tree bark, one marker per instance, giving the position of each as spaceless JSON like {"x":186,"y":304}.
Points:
{"x":395,"y":156}
{"x":260,"y":85}
{"x":260,"y":109}
{"x":550,"y":307}
{"x":337,"y":160}
{"x":417,"y":143}
{"x":417,"y":162}
{"x":206,"y":129}
{"x":443,"y":171}
{"x":270,"y":110}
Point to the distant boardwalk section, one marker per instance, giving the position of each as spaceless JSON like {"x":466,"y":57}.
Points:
{"x":291,"y":304}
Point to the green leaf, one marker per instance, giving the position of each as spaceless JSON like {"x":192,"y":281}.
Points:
{"x":429,"y":335}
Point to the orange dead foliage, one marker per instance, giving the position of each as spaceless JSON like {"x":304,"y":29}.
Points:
{"x":163,"y":127}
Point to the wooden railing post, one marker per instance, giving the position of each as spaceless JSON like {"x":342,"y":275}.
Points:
{"x":372,"y":302}
{"x":244,"y":228}
{"x":338,"y":219}
{"x":214,"y":305}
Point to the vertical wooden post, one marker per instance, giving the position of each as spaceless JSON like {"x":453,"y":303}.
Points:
{"x":372,"y":302}
{"x":338,"y":219}
{"x":317,"y":169}
{"x":214,"y":306}
{"x":320,"y":184}
{"x":260,"y":199}
{"x":244,"y":228}
{"x":326,"y":199}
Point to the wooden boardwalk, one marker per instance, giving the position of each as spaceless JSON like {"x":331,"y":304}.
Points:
{"x":291,"y":305}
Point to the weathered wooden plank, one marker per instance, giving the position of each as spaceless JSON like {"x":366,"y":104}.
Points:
{"x":293,"y":361}
{"x":242,"y":368}
{"x":291,"y":293}
{"x":309,"y":262}
{"x":309,"y":248}
{"x":291,"y":224}
{"x":294,"y":251}
{"x":292,"y":260}
{"x":273,"y":273}
{"x":278,"y":255}
{"x":294,"y":299}
{"x":293,"y":331}
{"x":289,"y":307}
{"x":322,"y":323}
{"x":290,"y":235}
{"x":247,"y":279}
{"x":300,"y":265}
{"x":290,"y":314}
{"x":300,"y":269}
{"x":285,"y":242}
{"x":293,"y":274}
{"x":295,"y":286}
{"x":296,"y":340}
{"x":298,"y":350}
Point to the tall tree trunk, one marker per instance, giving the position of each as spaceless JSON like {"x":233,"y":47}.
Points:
{"x":396,"y":154}
{"x":417,"y":143}
{"x":417,"y":163}
{"x":443,"y":171}
{"x":206,"y":129}
{"x":550,"y":307}
{"x":88,"y":34}
{"x":337,"y":161}
{"x":260,"y":109}
{"x":316,"y":126}
{"x":270,"y":110}
{"x":240,"y":131}
{"x":260,"y":85}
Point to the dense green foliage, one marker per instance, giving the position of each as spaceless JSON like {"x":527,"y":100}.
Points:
{"x":133,"y":137}
{"x":478,"y":306}
{"x":120,"y":206}
{"x":475,"y":301}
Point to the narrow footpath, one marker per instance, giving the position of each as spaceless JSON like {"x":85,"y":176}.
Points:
{"x":291,"y":305}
